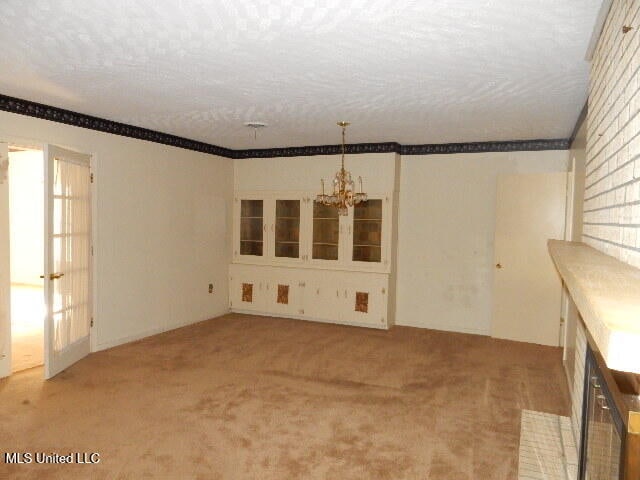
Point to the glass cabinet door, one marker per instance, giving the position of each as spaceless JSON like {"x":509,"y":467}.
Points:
{"x":367,"y":231}
{"x":326,"y":236}
{"x":251,"y":227}
{"x":287,"y":229}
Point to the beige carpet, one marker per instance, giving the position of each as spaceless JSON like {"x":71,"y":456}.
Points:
{"x":243,"y":397}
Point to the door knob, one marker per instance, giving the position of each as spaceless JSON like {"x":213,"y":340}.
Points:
{"x":54,"y":276}
{"x":498,"y":265}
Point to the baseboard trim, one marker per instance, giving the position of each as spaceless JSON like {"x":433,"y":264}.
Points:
{"x":151,"y":332}
{"x":447,"y":328}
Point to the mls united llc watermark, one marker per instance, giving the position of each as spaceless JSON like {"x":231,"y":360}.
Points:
{"x":42,"y":457}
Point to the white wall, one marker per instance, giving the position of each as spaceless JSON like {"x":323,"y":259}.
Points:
{"x":162,"y":221}
{"x":26,"y":201}
{"x":304,"y":173}
{"x":446,"y":232}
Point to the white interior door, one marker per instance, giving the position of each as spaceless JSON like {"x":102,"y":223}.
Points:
{"x":526,"y":290}
{"x":5,"y":279}
{"x":67,"y":258}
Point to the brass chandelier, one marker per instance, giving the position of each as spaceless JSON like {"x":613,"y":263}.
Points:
{"x":343,"y":195}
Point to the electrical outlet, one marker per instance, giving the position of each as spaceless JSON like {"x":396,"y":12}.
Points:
{"x":211,"y":288}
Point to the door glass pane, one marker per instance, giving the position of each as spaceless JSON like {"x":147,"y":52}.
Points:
{"x":287,"y":228}
{"x":367,"y":231}
{"x":251,"y":224}
{"x":70,"y":253}
{"x":326,"y":226}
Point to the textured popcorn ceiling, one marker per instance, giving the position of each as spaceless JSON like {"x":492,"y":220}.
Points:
{"x":424,"y":71}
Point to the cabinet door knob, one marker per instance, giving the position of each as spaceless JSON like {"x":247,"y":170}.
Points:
{"x":498,"y":266}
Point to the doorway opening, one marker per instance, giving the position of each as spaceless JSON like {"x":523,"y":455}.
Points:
{"x":26,"y":230}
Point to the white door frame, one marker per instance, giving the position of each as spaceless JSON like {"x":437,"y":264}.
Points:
{"x":568,"y":236}
{"x":5,"y":267}
{"x":93,"y":165}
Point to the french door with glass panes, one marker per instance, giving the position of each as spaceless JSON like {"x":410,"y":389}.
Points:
{"x":67,"y":259}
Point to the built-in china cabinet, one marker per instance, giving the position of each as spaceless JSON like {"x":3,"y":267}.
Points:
{"x":296,"y":258}
{"x":286,"y":228}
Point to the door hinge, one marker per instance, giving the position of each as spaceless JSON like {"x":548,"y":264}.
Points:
{"x":91,"y":177}
{"x":92,"y":321}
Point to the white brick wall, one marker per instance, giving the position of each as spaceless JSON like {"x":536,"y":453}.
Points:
{"x":612,"y":188}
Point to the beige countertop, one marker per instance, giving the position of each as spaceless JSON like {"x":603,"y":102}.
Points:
{"x":607,"y":294}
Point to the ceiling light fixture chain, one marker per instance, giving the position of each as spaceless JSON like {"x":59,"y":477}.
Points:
{"x":344,"y":195}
